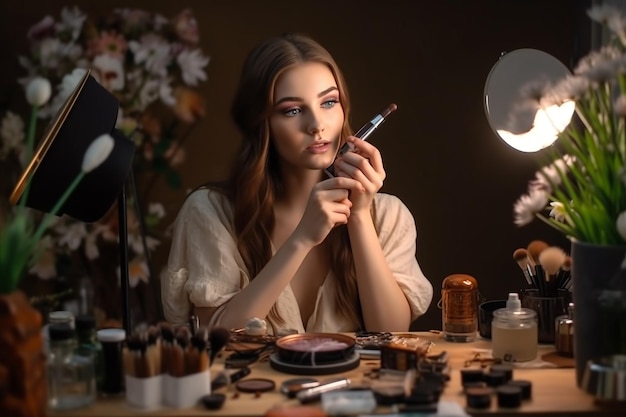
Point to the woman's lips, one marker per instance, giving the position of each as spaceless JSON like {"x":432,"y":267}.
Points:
{"x":318,"y":148}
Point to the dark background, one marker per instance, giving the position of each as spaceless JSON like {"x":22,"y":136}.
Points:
{"x":431,"y":58}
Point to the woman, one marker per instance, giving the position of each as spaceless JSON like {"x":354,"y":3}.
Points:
{"x":282,"y":241}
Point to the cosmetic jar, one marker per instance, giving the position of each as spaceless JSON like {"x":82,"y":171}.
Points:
{"x":509,"y":396}
{"x":112,"y":341}
{"x":564,"y":333}
{"x":514,"y":332}
{"x":459,"y":308}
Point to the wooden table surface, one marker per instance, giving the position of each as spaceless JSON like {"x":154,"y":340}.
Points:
{"x":554,"y":390}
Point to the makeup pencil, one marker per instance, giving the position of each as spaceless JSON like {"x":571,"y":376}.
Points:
{"x":363,"y":133}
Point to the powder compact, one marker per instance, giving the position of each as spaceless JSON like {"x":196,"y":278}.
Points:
{"x":314,"y":354}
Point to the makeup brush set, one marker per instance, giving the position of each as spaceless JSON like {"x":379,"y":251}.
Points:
{"x":546,"y":268}
{"x":166,"y":366}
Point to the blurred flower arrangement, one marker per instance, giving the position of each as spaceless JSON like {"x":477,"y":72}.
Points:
{"x":152,"y":65}
{"x":581,"y":191}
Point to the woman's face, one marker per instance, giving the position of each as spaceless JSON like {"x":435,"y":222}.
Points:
{"x":307,"y":118}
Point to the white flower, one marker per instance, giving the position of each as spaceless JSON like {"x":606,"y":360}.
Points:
{"x":528,"y":205}
{"x":603,"y":13}
{"x":49,"y":50}
{"x":191,"y":65}
{"x":111,"y":71}
{"x":149,"y":93}
{"x":154,"y":52}
{"x":71,"y":21}
{"x":66,"y":88}
{"x":97,"y":152}
{"x":166,"y":93}
{"x":12,"y":134}
{"x":137,"y":271}
{"x":38,"y":91}
{"x":45,"y":267}
{"x":558,"y":212}
{"x":73,"y":235}
{"x":91,"y":246}
{"x":135,"y":242}
{"x":550,"y":176}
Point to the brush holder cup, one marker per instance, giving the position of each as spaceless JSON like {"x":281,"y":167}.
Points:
{"x":485,"y":316}
{"x":548,"y":309}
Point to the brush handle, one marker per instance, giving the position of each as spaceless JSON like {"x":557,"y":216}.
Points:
{"x":541,"y":280}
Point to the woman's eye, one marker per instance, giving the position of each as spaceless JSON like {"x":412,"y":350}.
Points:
{"x":291,"y":112}
{"x":329,"y":103}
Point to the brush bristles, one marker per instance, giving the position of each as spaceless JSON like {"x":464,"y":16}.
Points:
{"x":520,"y":254}
{"x":218,"y":339}
{"x":552,"y":258}
{"x":567,"y":264}
{"x":535,"y":248}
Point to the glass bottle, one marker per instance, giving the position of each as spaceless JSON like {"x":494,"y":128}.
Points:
{"x":85,"y":296}
{"x":514,"y":333}
{"x":89,"y":345}
{"x":71,"y":381}
{"x":459,"y":305}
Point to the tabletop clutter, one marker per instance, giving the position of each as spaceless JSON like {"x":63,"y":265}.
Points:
{"x":162,"y":366}
{"x":540,"y":312}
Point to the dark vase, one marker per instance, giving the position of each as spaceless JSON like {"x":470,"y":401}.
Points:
{"x":599,"y":302}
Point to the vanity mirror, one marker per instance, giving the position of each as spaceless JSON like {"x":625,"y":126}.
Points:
{"x":511,"y":99}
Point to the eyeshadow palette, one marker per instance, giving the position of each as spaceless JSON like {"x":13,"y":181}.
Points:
{"x":314,"y":354}
{"x":314,"y":348}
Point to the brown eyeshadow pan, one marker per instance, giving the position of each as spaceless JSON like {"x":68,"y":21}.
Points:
{"x":255,"y":385}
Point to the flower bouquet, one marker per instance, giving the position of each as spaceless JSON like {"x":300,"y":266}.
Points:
{"x":151,"y":64}
{"x":581,"y":191}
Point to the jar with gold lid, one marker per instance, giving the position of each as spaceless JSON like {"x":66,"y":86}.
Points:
{"x":459,"y":306}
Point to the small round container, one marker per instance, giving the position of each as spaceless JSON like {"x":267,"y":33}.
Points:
{"x":478,"y":398}
{"x":525,"y":385}
{"x":509,"y":396}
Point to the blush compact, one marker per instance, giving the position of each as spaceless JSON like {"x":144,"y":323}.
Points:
{"x":314,"y":354}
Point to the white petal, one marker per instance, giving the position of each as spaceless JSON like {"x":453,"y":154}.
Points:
{"x":97,"y":152}
{"x":38,"y":91}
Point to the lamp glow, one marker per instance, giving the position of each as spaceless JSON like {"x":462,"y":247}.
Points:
{"x":548,"y":123}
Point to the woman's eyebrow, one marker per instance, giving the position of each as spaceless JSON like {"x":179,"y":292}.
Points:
{"x":328,"y":90}
{"x":319,"y":95}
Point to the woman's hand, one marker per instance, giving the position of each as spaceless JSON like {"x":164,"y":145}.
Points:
{"x":364,"y":164}
{"x":327,"y":207}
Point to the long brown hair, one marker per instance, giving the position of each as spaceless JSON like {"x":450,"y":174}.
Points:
{"x":255,"y":179}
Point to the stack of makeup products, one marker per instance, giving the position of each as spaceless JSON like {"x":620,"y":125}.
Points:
{"x":546,"y":268}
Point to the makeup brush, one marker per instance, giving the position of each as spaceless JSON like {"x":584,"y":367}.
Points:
{"x":523,"y":260}
{"x":564,"y":274}
{"x":551,"y":259}
{"x":167,"y":345}
{"x":535,"y":248}
{"x":218,"y":339}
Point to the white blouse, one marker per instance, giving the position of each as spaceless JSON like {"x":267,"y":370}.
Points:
{"x":205,"y":268}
